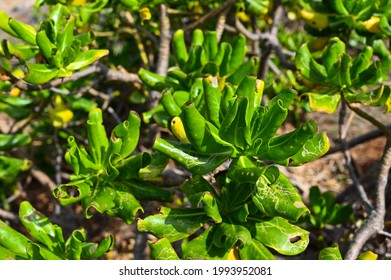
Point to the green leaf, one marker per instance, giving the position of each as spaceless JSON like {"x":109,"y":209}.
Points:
{"x":208,"y":202}
{"x":203,"y":248}
{"x":96,"y":6}
{"x":125,"y":205}
{"x":92,"y":250}
{"x":313,"y":148}
{"x":144,"y":190}
{"x":330,"y":253}
{"x":282,"y":236}
{"x":279,"y":198}
{"x":162,"y":250}
{"x":40,"y":228}
{"x":331,"y":57}
{"x":22,"y":52}
{"x":227,"y":235}
{"x":96,"y":134}
{"x":245,"y":170}
{"x":155,"y":168}
{"x":286,"y":145}
{"x":23,"y":31}
{"x":13,"y":241}
{"x":255,"y":250}
{"x":234,"y":127}
{"x":308,"y":67}
{"x":65,"y":37}
{"x":10,"y":168}
{"x":74,"y":191}
{"x":250,"y":67}
{"x":266,"y":121}
{"x":10,"y":141}
{"x":239,"y":50}
{"x":361,"y":62}
{"x":193,"y":161}
{"x":372,"y":75}
{"x":128,"y":132}
{"x":179,"y":48}
{"x":85,"y":58}
{"x":212,"y":96}
{"x":173,"y":224}
{"x":152,"y":80}
{"x":210,"y":45}
{"x":202,"y":134}
{"x":40,"y":73}
{"x":6,"y":254}
{"x":4,"y":19}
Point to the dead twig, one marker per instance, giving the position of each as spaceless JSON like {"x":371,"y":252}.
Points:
{"x":7,"y":215}
{"x":343,"y":129}
{"x":212,"y":14}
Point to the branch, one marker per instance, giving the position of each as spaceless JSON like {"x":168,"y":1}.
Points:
{"x":109,"y":75}
{"x":375,"y":222}
{"x":165,"y":38}
{"x":164,"y":51}
{"x":213,"y":13}
{"x":270,"y":40}
{"x":358,"y":140}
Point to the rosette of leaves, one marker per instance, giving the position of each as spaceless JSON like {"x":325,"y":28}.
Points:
{"x":61,"y":52}
{"x":107,"y":176}
{"x":205,"y":56}
{"x":47,"y":240}
{"x":253,"y":205}
{"x":337,"y":75}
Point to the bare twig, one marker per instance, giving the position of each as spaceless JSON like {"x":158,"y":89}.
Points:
{"x":220,"y":24}
{"x":7,"y":215}
{"x":373,"y":134}
{"x":59,"y":156}
{"x":110,"y":75}
{"x":213,"y":13}
{"x":44,"y":179}
{"x":270,"y":41}
{"x":343,"y":128}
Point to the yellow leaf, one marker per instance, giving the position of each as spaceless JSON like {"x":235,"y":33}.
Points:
{"x":60,"y":115}
{"x":178,"y":130}
{"x":368,"y":256}
{"x":233,"y":254}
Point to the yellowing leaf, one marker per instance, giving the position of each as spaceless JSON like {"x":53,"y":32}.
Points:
{"x":368,"y":256}
{"x":60,"y":114}
{"x":233,"y":254}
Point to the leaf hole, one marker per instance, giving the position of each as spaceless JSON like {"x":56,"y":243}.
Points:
{"x":295,"y":239}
